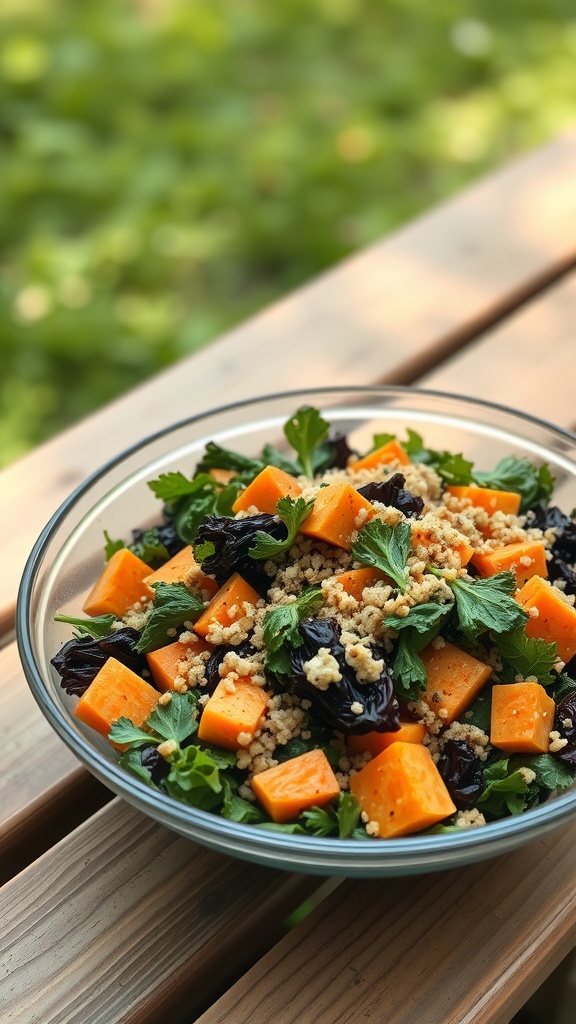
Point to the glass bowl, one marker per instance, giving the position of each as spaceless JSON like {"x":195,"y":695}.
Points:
{"x":67,"y":558}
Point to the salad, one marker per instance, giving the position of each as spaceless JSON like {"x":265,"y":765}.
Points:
{"x":339,"y":643}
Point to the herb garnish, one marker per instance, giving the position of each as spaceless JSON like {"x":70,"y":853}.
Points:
{"x":292,"y":512}
{"x":100,"y":626}
{"x":526,"y":656}
{"x":281,"y":628}
{"x":305,"y":431}
{"x":386,"y":548}
{"x":173,"y":605}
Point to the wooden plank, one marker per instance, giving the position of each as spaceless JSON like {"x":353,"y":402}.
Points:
{"x":43,"y":790}
{"x":461,"y":947}
{"x":527,"y":362}
{"x":127,"y":922}
{"x":384,"y":315}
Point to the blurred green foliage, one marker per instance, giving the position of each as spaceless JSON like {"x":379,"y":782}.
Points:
{"x":169,"y":166}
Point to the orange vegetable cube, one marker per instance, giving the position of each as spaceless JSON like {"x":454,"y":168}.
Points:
{"x":334,"y":517}
{"x":227,"y":605}
{"x":183,"y":568}
{"x":375,"y":742}
{"x":266,"y":490}
{"x":296,"y":785}
{"x":526,"y":559}
{"x":402,"y":790}
{"x":114,"y":692}
{"x":120,"y":586}
{"x":521,"y":718}
{"x":231,"y":717}
{"x":389,"y":452}
{"x":490,"y":500}
{"x":222,"y":476}
{"x":165,"y":662}
{"x":554,"y":621}
{"x":355,"y":580}
{"x":455,"y":678}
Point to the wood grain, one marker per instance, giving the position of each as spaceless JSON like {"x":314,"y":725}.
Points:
{"x":126,"y":922}
{"x":385,"y":315}
{"x":461,"y":947}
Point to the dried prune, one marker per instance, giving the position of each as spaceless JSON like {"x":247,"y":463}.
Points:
{"x":80,"y":659}
{"x":232,"y":539}
{"x":336,"y":452}
{"x":380,"y":710}
{"x":565,"y":724}
{"x":461,"y":771}
{"x":564,"y":546}
{"x":392,"y":492}
{"x":558,"y":570}
{"x":212,"y":666}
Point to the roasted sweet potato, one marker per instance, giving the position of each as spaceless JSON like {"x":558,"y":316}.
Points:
{"x":455,"y":678}
{"x":114,"y":692}
{"x":296,"y":785}
{"x":525,"y":560}
{"x":266,"y":489}
{"x":375,"y":742}
{"x":521,"y":718}
{"x":551,"y":618}
{"x":334,"y":517}
{"x":227,"y":605}
{"x":120,"y":586}
{"x":389,"y":452}
{"x":183,"y":568}
{"x":164,"y":662}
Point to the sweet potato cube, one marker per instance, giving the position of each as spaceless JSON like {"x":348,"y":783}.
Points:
{"x":296,"y":785}
{"x":114,"y":692}
{"x":521,"y":718}
{"x":485,"y":497}
{"x":183,"y":568}
{"x":227,"y":605}
{"x":266,"y":490}
{"x":455,"y":678}
{"x":375,"y":742}
{"x":525,"y":559}
{"x":120,"y":586}
{"x":231,"y":717}
{"x":355,"y":580}
{"x":222,"y":476}
{"x":164,"y":663}
{"x":551,"y":619}
{"x":389,"y":452}
{"x":402,"y":790}
{"x":334,"y":517}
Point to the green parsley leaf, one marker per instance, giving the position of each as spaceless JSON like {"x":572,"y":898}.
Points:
{"x":385,"y":547}
{"x":235,"y":808}
{"x":480,"y":711}
{"x":487,"y":604}
{"x":131,"y":761}
{"x":111,"y":546}
{"x":175,"y":720}
{"x":190,"y":501}
{"x":274,"y":826}
{"x":281,"y":627}
{"x":506,"y":790}
{"x":526,"y":656}
{"x":293,"y":748}
{"x":194,"y":778}
{"x":563,"y":685}
{"x":451,"y":466}
{"x":124,"y":731}
{"x":272,"y":457}
{"x":304,"y":431}
{"x":535,"y":484}
{"x":216,"y":457}
{"x":320,"y":821}
{"x":551,"y":773}
{"x":292,"y":512}
{"x":421,"y":617}
{"x":379,"y":440}
{"x":173,"y":605}
{"x":408,"y":669}
{"x":348,"y":814}
{"x":150,"y":549}
{"x":99,"y":627}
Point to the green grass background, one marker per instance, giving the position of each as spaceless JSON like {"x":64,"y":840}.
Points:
{"x":167,"y":167}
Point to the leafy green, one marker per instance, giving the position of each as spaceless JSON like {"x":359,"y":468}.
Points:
{"x":111,"y":546}
{"x":293,"y":829}
{"x":507,"y":791}
{"x":452,"y":467}
{"x":320,"y":821}
{"x":173,"y":605}
{"x":386,"y":548}
{"x":100,"y":626}
{"x":562,"y":686}
{"x":480,"y":711}
{"x":281,"y":628}
{"x":305,"y":430}
{"x":194,"y":778}
{"x":235,"y":808}
{"x":216,"y":457}
{"x":487,"y":604}
{"x":526,"y":656}
{"x":341,"y":820}
{"x":292,"y":512}
{"x":416,"y":630}
{"x":190,"y":501}
{"x":348,"y":813}
{"x":173,"y":721}
{"x":534,"y":483}
{"x":150,"y":549}
{"x":131,"y":761}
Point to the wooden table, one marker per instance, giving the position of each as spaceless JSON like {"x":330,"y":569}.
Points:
{"x":107,"y":917}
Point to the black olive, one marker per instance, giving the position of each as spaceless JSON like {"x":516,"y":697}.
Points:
{"x":380,"y":710}
{"x":80,"y":660}
{"x":461,"y":771}
{"x":232,"y":539}
{"x":391,"y":492}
